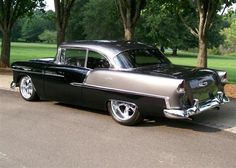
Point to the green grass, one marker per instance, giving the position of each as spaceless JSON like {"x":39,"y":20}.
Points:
{"x":220,"y":62}
{"x":27,"y":51}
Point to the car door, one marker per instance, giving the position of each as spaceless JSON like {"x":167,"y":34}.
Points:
{"x":94,"y":97}
{"x":64,"y":78}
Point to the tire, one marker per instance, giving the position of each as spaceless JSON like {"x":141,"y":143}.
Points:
{"x":27,"y":89}
{"x":125,"y":113}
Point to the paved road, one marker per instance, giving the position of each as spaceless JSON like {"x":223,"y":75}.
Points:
{"x":52,"y":135}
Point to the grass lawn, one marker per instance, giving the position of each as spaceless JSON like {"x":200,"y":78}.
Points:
{"x":220,"y":62}
{"x":27,"y":51}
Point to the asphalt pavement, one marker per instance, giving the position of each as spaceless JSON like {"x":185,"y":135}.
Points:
{"x":46,"y":134}
{"x":223,"y":119}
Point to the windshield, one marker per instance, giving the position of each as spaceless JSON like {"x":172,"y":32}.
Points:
{"x":139,"y":58}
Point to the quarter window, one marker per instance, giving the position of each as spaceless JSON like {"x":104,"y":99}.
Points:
{"x":96,"y":60}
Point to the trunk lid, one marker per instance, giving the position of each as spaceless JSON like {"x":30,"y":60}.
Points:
{"x":200,"y":83}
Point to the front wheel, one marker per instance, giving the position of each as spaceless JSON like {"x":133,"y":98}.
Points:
{"x":125,"y":113}
{"x":27,"y":89}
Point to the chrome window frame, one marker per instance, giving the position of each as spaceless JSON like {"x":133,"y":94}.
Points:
{"x":60,"y":49}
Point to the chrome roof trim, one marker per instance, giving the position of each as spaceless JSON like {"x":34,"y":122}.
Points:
{"x":110,"y":48}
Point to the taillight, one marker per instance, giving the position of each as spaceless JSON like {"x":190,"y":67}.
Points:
{"x":181,"y":87}
{"x":223,"y":76}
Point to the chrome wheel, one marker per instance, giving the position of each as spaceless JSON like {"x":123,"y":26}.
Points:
{"x":123,"y":112}
{"x":27,"y":88}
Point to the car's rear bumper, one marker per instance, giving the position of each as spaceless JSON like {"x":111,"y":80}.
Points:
{"x":197,"y":107}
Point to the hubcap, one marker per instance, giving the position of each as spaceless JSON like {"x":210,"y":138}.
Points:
{"x":123,"y":110}
{"x":26,"y":87}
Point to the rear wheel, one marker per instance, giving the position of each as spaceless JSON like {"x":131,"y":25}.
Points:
{"x":27,"y":89}
{"x":125,"y":113}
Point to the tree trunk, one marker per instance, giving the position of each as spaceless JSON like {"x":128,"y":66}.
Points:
{"x":202,"y":41}
{"x":129,"y":32}
{"x":60,"y":36}
{"x":130,"y":12}
{"x":202,"y":52}
{"x":162,"y":49}
{"x":5,"y":50}
{"x":174,"y":51}
{"x":62,"y":10}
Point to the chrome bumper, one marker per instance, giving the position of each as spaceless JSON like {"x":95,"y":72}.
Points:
{"x":197,"y":108}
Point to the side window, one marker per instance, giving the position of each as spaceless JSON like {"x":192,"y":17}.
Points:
{"x":74,"y":57}
{"x":96,"y":60}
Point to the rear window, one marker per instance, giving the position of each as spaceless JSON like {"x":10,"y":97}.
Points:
{"x":139,"y":58}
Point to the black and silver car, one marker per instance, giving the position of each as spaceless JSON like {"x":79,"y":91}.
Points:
{"x":131,"y":80}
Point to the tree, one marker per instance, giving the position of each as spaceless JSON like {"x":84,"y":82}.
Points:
{"x":10,"y":11}
{"x":160,"y":24}
{"x":230,"y":36}
{"x":206,"y":12}
{"x":99,"y":23}
{"x":130,"y":12}
{"x":75,"y":29}
{"x":48,"y":36}
{"x":16,"y":30}
{"x":36,"y":24}
{"x":63,"y":11}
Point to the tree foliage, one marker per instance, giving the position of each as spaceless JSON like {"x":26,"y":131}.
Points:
{"x":48,"y":36}
{"x":35,"y":25}
{"x":99,"y":23}
{"x":229,"y":34}
{"x":75,"y":29}
{"x":161,"y":25}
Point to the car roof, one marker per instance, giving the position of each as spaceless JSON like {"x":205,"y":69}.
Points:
{"x":110,"y":48}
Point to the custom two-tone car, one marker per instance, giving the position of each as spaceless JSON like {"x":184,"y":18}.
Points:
{"x":131,"y":80}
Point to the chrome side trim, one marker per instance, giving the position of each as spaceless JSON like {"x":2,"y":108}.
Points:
{"x":86,"y":76}
{"x":124,"y":91}
{"x":18,"y":70}
{"x":76,"y":84}
{"x":53,"y":74}
{"x":39,"y":73}
{"x":197,"y":107}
